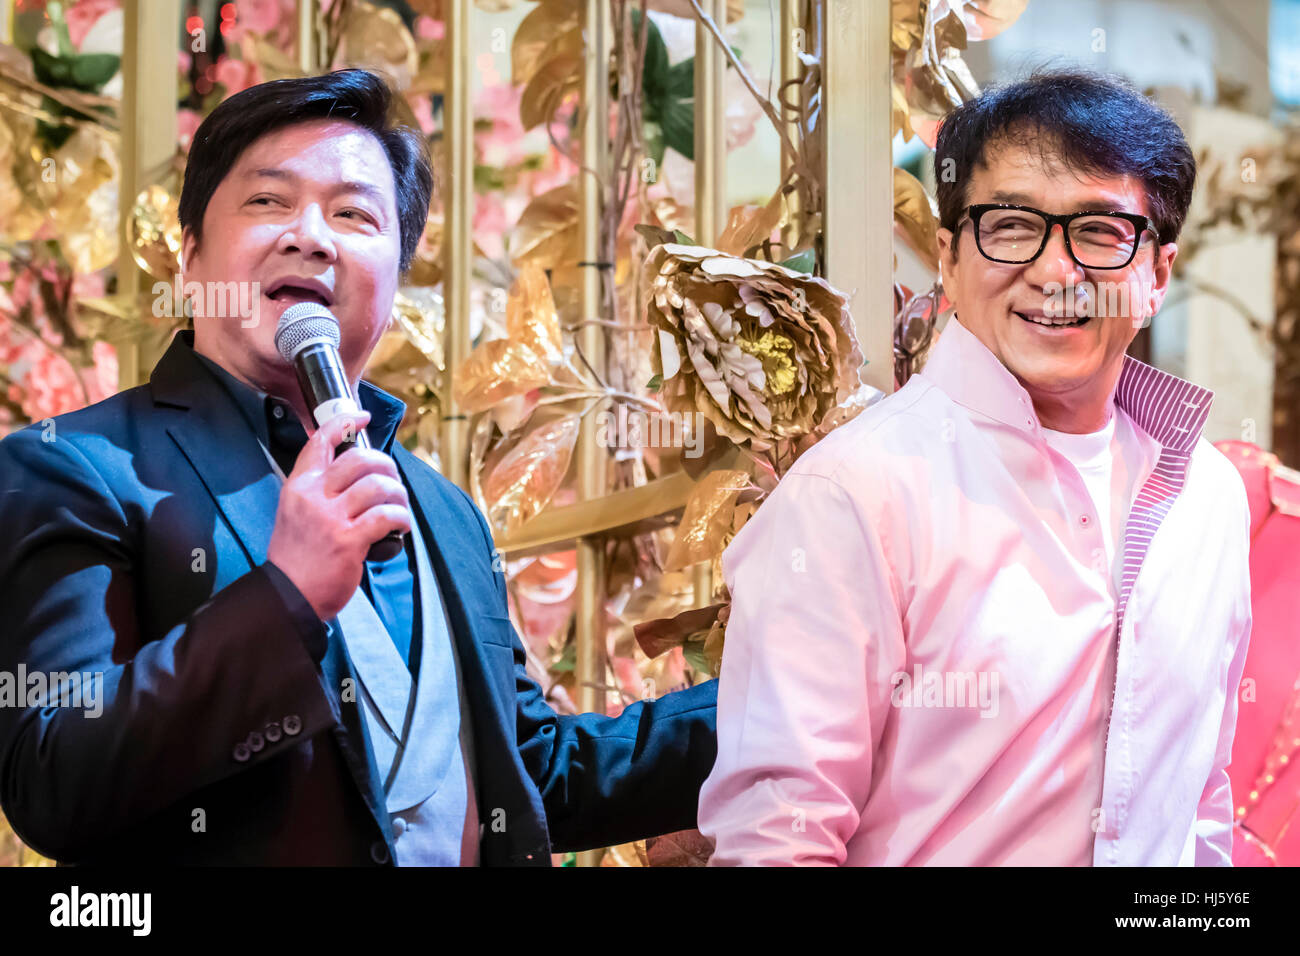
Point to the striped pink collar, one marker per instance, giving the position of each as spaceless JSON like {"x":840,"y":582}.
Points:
{"x":1169,"y":409}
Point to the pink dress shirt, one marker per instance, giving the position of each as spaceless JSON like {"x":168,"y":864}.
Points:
{"x":927,"y":661}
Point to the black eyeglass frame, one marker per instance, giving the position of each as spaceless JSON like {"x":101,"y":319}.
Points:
{"x":1141,"y":223}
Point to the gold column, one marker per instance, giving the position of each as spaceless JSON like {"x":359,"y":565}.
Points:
{"x":710,"y":176}
{"x":592,"y":459}
{"x":859,"y":203}
{"x":308,"y":41}
{"x":7,"y":10}
{"x":794,"y":39}
{"x":456,"y":184}
{"x":710,"y":133}
{"x":148,"y":118}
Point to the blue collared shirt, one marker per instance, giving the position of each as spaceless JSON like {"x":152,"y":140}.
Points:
{"x":390,"y":584}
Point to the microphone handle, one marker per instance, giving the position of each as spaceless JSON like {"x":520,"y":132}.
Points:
{"x":320,"y":374}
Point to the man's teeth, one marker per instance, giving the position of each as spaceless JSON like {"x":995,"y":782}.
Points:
{"x":1044,"y":320}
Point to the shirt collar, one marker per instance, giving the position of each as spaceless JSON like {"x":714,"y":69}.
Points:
{"x":1172,"y":411}
{"x":386,"y":411}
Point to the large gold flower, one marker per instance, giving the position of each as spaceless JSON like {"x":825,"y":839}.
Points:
{"x":768,"y":352}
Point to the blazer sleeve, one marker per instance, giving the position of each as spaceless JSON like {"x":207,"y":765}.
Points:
{"x":610,"y":780}
{"x":155,"y":721}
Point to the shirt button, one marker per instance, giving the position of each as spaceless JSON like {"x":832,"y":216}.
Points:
{"x":278,"y":411}
{"x":1084,"y":520}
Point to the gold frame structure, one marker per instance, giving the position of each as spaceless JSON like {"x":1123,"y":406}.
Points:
{"x":858,"y":238}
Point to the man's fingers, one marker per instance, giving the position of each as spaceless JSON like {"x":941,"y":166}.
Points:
{"x":347,"y":469}
{"x":376,"y":522}
{"x":372,"y":490}
{"x":319,"y":450}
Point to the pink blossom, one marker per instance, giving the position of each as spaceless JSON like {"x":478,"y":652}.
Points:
{"x":427,"y":28}
{"x":187,"y":124}
{"x":237,"y":75}
{"x":260,"y":16}
{"x":83,"y":15}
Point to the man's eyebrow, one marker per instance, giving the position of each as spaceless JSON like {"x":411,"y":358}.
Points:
{"x":347,"y":186}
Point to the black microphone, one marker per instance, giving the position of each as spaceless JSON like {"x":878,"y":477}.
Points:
{"x":307,"y":336}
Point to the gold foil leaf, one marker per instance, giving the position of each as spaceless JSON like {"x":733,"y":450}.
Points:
{"x":155,"y":232}
{"x":748,"y":225}
{"x":495,"y":371}
{"x":526,"y":478}
{"x":375,"y":38}
{"x":706,"y":520}
{"x":538,"y":34}
{"x":915,"y":213}
{"x":547,"y":232}
{"x":531,"y":318}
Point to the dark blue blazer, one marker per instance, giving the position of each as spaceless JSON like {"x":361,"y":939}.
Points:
{"x":132,"y":544}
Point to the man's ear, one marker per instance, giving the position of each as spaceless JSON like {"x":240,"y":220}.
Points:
{"x":189,"y":247}
{"x":1161,"y":274}
{"x":946,"y":252}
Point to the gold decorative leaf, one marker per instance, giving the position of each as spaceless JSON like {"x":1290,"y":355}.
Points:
{"x":155,"y":232}
{"x":495,"y":371}
{"x":916,"y":214}
{"x":547,"y":232}
{"x":524,"y":480}
{"x":706,"y":519}
{"x":530,"y":314}
{"x":539,"y":33}
{"x":559,"y":77}
{"x":375,"y":38}
{"x":749,"y":225}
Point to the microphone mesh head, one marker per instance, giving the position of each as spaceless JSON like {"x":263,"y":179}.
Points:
{"x":302,"y":322}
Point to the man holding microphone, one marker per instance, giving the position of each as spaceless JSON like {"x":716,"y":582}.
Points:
{"x":274,"y":692}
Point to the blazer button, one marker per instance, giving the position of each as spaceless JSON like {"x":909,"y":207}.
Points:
{"x":379,"y":852}
{"x":293,"y":725}
{"x":273,"y":731}
{"x":256,"y":741}
{"x":242,"y":753}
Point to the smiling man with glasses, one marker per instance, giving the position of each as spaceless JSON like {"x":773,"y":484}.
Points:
{"x":1001,"y":616}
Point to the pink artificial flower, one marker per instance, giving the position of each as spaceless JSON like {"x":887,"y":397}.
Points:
{"x":260,"y":16}
{"x":427,"y":28}
{"x":422,"y":107}
{"x":187,"y":124}
{"x":82,"y":16}
{"x":236,"y":75}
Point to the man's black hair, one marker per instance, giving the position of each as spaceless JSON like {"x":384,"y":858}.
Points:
{"x":355,"y":95}
{"x":1092,"y":123}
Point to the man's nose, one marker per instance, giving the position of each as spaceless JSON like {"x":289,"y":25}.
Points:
{"x":1054,"y":263}
{"x":308,"y":235}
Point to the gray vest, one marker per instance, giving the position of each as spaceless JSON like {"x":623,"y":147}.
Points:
{"x":419,"y":732}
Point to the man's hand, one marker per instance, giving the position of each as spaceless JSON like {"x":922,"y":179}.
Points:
{"x":330,"y":512}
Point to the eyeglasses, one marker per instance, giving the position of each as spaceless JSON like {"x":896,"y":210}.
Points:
{"x":1018,"y":234}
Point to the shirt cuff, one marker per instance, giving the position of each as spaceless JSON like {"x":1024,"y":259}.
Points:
{"x":313,"y":631}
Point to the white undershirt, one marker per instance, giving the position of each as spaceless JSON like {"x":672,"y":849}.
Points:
{"x":1109,"y":461}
